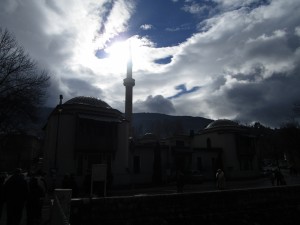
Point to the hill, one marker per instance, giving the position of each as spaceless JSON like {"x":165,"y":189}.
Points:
{"x":166,"y":125}
{"x":161,"y":124}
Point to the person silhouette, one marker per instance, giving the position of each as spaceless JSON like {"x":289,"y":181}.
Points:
{"x":15,"y":193}
{"x":2,"y":181}
{"x":220,"y":179}
{"x":35,"y":199}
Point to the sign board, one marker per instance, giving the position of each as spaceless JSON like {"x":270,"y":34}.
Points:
{"x":98,"y":175}
{"x":99,"y":172}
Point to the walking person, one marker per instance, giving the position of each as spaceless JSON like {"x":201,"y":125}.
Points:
{"x":220,"y":176}
{"x":15,"y":193}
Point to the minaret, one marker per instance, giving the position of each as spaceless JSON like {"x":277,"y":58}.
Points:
{"x":129,"y":82}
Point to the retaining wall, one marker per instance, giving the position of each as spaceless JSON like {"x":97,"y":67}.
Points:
{"x":260,"y":206}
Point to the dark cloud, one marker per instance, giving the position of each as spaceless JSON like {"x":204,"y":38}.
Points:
{"x":71,"y":88}
{"x":183,"y":90}
{"x":269,"y":101}
{"x":53,"y":5}
{"x":256,"y":74}
{"x":156,"y":104}
{"x":53,"y":92}
{"x":164,"y":60}
{"x":78,"y":87}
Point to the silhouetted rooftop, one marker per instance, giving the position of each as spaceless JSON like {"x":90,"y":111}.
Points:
{"x":84,"y":100}
{"x":222,"y":123}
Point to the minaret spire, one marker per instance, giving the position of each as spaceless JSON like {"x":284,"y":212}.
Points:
{"x":129,"y":82}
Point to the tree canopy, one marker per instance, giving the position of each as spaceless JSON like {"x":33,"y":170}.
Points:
{"x":22,"y":85}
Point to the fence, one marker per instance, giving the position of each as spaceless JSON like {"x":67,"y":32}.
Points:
{"x":60,"y":210}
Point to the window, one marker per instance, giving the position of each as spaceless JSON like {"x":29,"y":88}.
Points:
{"x":136,"y":165}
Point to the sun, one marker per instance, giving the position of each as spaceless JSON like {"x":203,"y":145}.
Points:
{"x":133,"y":48}
{"x":119,"y":53}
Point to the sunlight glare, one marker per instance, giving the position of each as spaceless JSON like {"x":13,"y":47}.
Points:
{"x":119,"y":53}
{"x":134,"y":47}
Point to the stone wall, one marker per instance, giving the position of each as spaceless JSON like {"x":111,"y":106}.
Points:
{"x":274,"y":205}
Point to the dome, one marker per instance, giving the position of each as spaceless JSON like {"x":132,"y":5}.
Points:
{"x":87,"y":101}
{"x":149,"y":136}
{"x":222,"y":123}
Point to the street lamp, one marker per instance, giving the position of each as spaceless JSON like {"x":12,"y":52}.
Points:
{"x":58,"y":111}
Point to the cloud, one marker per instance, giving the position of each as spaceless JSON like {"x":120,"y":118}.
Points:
{"x":64,"y":36}
{"x":234,"y":4}
{"x":194,"y":8}
{"x":183,"y":90}
{"x":244,"y":54}
{"x":156,"y":104}
{"x":181,"y":27}
{"x":146,"y":27}
{"x":297,"y":31}
{"x":235,"y":60}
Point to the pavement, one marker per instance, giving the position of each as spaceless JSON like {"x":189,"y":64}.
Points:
{"x":171,"y":188}
{"x":205,"y":186}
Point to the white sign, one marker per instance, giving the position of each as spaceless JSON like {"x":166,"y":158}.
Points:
{"x":99,"y":172}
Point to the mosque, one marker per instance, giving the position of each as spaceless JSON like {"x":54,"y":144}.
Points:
{"x":85,"y":131}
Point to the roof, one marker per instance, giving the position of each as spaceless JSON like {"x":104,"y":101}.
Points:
{"x":84,"y":100}
{"x":222,"y":123}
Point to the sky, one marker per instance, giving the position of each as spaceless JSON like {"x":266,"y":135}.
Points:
{"x":218,"y":59}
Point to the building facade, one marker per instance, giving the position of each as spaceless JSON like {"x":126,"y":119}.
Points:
{"x":223,"y":144}
{"x":229,"y":146}
{"x":85,"y":131}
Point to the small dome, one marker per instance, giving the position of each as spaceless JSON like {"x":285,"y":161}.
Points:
{"x":149,"y":136}
{"x":88,"y":101}
{"x":222,"y":123}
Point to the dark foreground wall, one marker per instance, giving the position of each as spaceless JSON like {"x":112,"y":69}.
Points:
{"x":274,"y":205}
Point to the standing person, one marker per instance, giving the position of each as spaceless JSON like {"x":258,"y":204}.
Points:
{"x":279,"y":177}
{"x":2,"y":180}
{"x":35,"y":200}
{"x":272,"y":177}
{"x":220,"y":176}
{"x":15,"y":193}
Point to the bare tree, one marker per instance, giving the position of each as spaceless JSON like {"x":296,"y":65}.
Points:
{"x":22,"y":85}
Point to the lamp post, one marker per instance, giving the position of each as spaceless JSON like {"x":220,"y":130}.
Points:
{"x":59,"y":110}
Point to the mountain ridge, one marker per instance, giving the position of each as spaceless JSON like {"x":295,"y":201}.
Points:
{"x":164,"y":125}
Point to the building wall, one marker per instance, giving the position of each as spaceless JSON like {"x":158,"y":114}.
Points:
{"x":120,"y":163}
{"x":146,"y":159}
{"x":77,"y":162}
{"x":207,"y":168}
{"x":227,"y":143}
{"x":65,"y":157}
{"x":59,"y":141}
